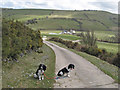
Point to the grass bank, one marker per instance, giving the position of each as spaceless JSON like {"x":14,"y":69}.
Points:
{"x":20,"y":74}
{"x":107,"y":68}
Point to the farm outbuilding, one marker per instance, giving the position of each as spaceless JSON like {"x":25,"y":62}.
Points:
{"x":68,"y":32}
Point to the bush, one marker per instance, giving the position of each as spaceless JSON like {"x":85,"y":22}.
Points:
{"x":92,"y":50}
{"x":117,"y":60}
{"x":39,"y":51}
{"x":78,"y":48}
{"x":18,"y":38}
{"x":89,"y":39}
{"x":69,"y":44}
{"x":75,"y":45}
{"x":84,"y":48}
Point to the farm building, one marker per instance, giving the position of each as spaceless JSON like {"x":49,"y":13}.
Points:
{"x":68,"y":32}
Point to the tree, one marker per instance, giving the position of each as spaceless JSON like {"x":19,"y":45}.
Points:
{"x":89,"y":39}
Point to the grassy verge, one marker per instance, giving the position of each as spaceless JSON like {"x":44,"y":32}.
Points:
{"x":107,"y":68}
{"x":20,"y":74}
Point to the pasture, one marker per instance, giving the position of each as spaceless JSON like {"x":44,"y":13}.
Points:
{"x":57,"y":19}
{"x":56,"y":33}
{"x":53,"y":24}
{"x":110,"y":47}
{"x":102,"y":35}
{"x":66,"y":37}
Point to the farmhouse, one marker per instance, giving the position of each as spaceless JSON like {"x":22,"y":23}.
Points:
{"x":68,"y":32}
{"x":72,"y":31}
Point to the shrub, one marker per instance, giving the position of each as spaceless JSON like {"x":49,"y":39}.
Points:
{"x":69,"y":44}
{"x":88,"y":39}
{"x":117,"y":60}
{"x":75,"y":45}
{"x":78,"y":48}
{"x":39,"y":51}
{"x":18,"y":38}
{"x":92,"y":50}
{"x":84,"y":48}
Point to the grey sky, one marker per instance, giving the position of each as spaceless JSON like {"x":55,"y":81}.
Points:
{"x":106,"y":5}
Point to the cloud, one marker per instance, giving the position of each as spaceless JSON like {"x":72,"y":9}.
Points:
{"x":9,"y":4}
{"x":106,"y":5}
{"x":36,"y":4}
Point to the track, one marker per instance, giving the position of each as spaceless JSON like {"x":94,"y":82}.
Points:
{"x":85,"y":75}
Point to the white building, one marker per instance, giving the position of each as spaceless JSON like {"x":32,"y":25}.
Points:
{"x":68,"y":32}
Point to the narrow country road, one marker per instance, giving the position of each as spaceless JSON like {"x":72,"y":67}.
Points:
{"x":85,"y":74}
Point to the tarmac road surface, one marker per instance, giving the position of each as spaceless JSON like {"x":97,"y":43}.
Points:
{"x":85,"y":74}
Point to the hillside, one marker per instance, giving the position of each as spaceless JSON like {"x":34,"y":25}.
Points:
{"x":18,"y":39}
{"x":63,"y":19}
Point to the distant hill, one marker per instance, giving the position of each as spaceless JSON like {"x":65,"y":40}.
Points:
{"x":46,"y":19}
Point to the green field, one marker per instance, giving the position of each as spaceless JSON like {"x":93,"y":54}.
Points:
{"x":50,"y":31}
{"x":57,"y":19}
{"x":103,"y":35}
{"x":20,"y":74}
{"x":23,"y":14}
{"x":110,"y":47}
{"x":52,"y":24}
{"x":57,"y":34}
{"x":67,"y":37}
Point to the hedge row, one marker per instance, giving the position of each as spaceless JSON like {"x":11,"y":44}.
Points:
{"x":100,"y":53}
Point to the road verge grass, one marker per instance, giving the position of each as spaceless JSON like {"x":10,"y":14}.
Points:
{"x":20,"y":74}
{"x":107,"y":68}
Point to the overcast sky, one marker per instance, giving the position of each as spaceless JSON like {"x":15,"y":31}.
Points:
{"x":106,"y":5}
